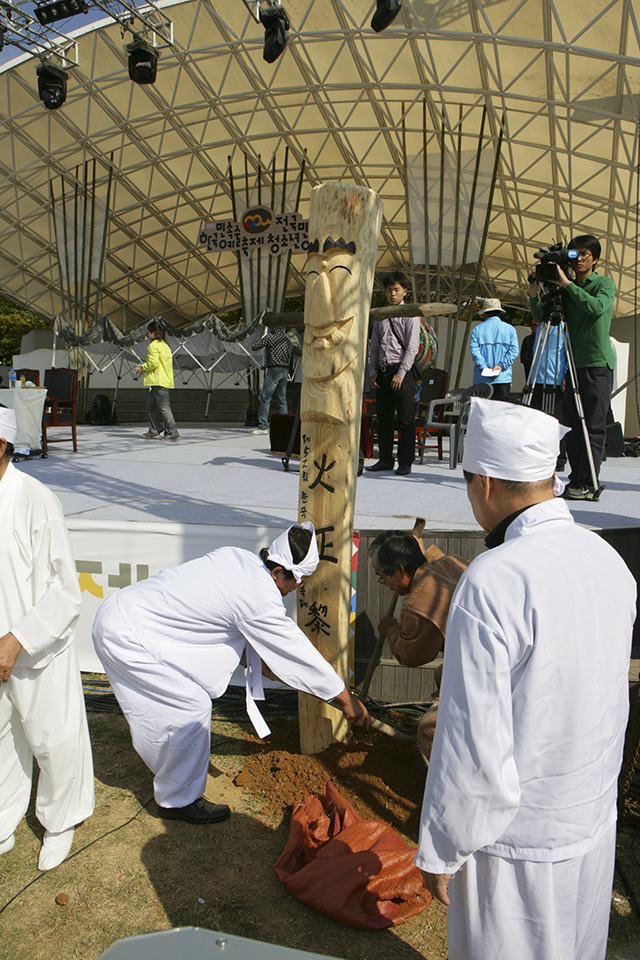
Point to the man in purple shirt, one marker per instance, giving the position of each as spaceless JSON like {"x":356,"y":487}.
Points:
{"x":393,"y":349}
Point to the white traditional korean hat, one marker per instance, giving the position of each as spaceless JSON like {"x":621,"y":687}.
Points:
{"x":280,"y":553}
{"x":491,"y":305}
{"x":508,"y":441}
{"x":7,"y":425}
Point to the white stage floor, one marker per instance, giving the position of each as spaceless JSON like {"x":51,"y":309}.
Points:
{"x":226,"y":475}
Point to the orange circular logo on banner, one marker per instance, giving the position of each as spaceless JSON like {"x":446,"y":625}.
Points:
{"x":255,"y":220}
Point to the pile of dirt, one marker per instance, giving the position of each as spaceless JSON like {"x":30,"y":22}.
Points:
{"x":382,"y":778}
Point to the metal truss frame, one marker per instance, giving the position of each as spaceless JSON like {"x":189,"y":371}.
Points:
{"x":566,"y":79}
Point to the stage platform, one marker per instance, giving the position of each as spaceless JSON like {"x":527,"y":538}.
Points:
{"x":224,"y":475}
{"x":135,"y":506}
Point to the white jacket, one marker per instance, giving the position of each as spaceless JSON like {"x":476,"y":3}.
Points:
{"x":199,"y":617}
{"x":534,"y":698}
{"x":39,"y":593}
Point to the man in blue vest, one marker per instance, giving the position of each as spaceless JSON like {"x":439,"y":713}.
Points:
{"x":494,"y":348}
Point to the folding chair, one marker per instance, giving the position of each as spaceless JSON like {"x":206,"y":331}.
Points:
{"x":483,"y":390}
{"x":449,"y":410}
{"x":434,"y":387}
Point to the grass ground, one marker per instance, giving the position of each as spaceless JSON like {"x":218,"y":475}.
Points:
{"x":154,"y":875}
{"x":151,"y":875}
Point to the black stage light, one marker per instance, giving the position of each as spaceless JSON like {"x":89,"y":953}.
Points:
{"x":275,"y":21}
{"x":385,"y":14}
{"x":52,"y":85}
{"x":59,"y":10}
{"x":143,"y":61}
{"x":3,"y":30}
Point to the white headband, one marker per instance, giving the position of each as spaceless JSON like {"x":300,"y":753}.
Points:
{"x":508,"y":441}
{"x":280,"y":553}
{"x":7,"y":425}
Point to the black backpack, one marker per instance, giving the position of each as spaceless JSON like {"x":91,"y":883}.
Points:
{"x":100,"y":411}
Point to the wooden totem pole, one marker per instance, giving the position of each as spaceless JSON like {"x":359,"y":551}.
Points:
{"x":344,"y":225}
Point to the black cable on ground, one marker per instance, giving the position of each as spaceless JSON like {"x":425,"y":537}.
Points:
{"x":629,"y":889}
{"x":99,"y":698}
{"x":81,"y":850}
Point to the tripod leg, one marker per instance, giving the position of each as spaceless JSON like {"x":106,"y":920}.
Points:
{"x":532,"y":379}
{"x":292,"y":440}
{"x":573,"y":374}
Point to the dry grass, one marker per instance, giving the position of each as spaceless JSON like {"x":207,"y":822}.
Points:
{"x":151,"y":875}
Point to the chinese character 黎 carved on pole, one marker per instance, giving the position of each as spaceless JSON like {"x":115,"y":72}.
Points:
{"x":344,"y":225}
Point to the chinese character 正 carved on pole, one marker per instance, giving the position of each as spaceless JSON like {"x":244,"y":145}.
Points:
{"x":344,"y":225}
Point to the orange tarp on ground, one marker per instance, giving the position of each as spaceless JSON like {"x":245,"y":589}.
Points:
{"x":356,"y":871}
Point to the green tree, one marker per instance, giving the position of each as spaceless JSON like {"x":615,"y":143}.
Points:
{"x":15,"y":322}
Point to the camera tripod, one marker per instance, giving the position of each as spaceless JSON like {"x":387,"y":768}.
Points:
{"x":555,"y":318}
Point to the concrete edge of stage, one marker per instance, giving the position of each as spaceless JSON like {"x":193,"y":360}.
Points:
{"x":221,"y":485}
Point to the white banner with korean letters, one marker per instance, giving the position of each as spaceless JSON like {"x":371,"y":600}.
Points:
{"x":112,"y":554}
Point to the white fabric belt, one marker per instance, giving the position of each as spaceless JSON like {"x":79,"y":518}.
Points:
{"x":255,"y":691}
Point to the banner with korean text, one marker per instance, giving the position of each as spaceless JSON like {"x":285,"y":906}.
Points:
{"x":111,"y":555}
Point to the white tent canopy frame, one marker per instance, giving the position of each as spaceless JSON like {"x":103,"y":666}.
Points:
{"x":205,"y":354}
{"x":560,"y":81}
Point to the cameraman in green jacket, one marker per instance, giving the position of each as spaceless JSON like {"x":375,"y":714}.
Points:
{"x":587,"y":304}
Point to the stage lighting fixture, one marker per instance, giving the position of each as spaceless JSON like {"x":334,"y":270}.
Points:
{"x":59,"y":10}
{"x":143,"y":61}
{"x":3,"y":30}
{"x":52,"y":85}
{"x":275,"y":21}
{"x":385,"y":14}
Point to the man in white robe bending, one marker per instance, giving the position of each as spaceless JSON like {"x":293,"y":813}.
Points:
{"x":170,"y":644}
{"x":42,"y":711}
{"x":519,"y":809}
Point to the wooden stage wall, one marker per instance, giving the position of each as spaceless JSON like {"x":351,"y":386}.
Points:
{"x":393,"y":683}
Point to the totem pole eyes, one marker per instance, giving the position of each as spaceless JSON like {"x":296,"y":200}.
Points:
{"x":330,"y":344}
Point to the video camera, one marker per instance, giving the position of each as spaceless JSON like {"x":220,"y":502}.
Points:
{"x":550,"y":259}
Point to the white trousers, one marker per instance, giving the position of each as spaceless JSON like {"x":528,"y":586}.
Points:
{"x":42,"y":715}
{"x":168,"y":713}
{"x":520,"y":910}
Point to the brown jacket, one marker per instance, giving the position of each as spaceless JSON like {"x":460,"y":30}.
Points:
{"x":418,"y":637}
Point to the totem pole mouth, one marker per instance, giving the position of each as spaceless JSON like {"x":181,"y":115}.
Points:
{"x":331,"y":336}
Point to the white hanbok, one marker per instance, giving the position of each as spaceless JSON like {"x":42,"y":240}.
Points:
{"x":42,"y":710}
{"x":520,"y":797}
{"x":170,"y":645}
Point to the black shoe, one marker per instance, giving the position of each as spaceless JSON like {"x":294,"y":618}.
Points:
{"x":200,"y":811}
{"x":380,"y":465}
{"x":574,"y":493}
{"x":582,"y":493}
{"x":403,"y":470}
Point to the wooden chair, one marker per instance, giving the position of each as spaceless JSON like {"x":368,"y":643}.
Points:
{"x":369,"y":414}
{"x":60,"y":404}
{"x":33,"y":375}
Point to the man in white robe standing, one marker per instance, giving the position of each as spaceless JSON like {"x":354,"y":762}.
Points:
{"x":170,"y":644}
{"x":42,"y":710}
{"x":519,"y":809}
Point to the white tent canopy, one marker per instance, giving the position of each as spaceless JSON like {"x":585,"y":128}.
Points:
{"x":198,"y":351}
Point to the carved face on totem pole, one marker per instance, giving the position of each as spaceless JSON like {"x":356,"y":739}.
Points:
{"x":330,"y":339}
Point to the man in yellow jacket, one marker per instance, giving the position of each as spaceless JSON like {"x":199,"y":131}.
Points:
{"x":158,"y":376}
